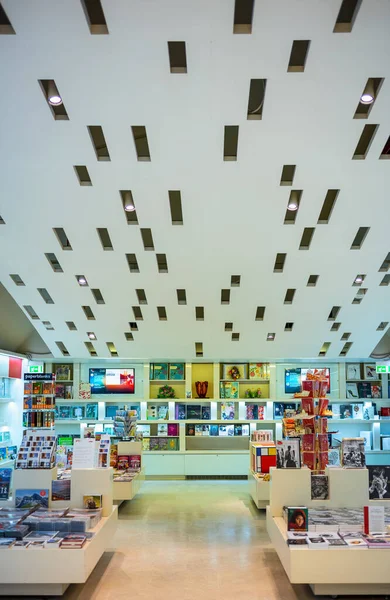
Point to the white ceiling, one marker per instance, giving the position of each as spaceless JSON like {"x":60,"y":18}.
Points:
{"x":233,"y":211}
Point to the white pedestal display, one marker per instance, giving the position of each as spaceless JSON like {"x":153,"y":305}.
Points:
{"x":259,"y":490}
{"x":126,"y":490}
{"x":344,"y":571}
{"x":50,"y":572}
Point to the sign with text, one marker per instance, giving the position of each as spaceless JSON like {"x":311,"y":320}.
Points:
{"x":39,"y":376}
{"x":35,"y":369}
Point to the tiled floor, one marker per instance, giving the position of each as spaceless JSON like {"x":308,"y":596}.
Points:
{"x":190,"y":540}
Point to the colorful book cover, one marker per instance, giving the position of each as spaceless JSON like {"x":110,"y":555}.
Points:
{"x":260,"y":412}
{"x":198,"y":430}
{"x":111,"y":411}
{"x":59,"y":391}
{"x":114,"y":455}
{"x":173,"y":429}
{"x":68,"y":392}
{"x":190,"y":430}
{"x":84,"y":391}
{"x":5,"y":483}
{"x":37,"y":387}
{"x":160,"y":371}
{"x":227,"y":410}
{"x":28,"y":403}
{"x":32,"y":498}
{"x":152,"y":412}
{"x":297,"y":519}
{"x":308,"y":442}
{"x":376,"y":391}
{"x":214,"y":430}
{"x":47,"y":388}
{"x":245,"y":431}
{"x":278,"y":410}
{"x":60,"y":490}
{"x":352,"y":391}
{"x":368,"y":411}
{"x":176,"y":371}
{"x":251,"y":411}
{"x":221,"y":390}
{"x":259,"y":371}
{"x":63,"y":372}
{"x":146,"y":444}
{"x":308,"y":405}
{"x":135,"y":462}
{"x":230,"y":389}
{"x":28,"y":387}
{"x":205,"y":430}
{"x":162,"y":411}
{"x":223,"y":431}
{"x":205,"y":412}
{"x":323,"y":442}
{"x":92,"y":502}
{"x":162,"y":444}
{"x":123,"y":462}
{"x":180,"y":412}
{"x":309,"y":460}
{"x":238,"y":429}
{"x":345,"y":411}
{"x":3,"y":454}
{"x":12,"y":452}
{"x":230,"y":430}
{"x":173,"y":444}
{"x":91,"y":411}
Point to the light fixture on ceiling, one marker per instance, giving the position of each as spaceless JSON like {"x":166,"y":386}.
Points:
{"x":270,"y":337}
{"x":368,"y":95}
{"x":53,"y":96}
{"x":292,"y":205}
{"x":91,"y":335}
{"x":81,"y":280}
{"x":128,"y":203}
{"x":358,"y":279}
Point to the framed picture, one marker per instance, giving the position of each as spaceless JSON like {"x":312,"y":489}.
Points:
{"x":379,"y":485}
{"x":353,"y":371}
{"x":234,"y":371}
{"x":352,"y":391}
{"x":353,"y":453}
{"x":370,"y":372}
{"x":288,"y":454}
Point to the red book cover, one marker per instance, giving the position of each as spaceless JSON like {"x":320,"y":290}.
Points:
{"x":322,"y":425}
{"x":385,"y":411}
{"x":366,"y":520}
{"x":123,"y":462}
{"x":322,"y":405}
{"x":308,"y":442}
{"x":323,"y":460}
{"x":309,"y":459}
{"x":323,"y":442}
{"x":308,"y":425}
{"x":308,"y":405}
{"x":15,"y":367}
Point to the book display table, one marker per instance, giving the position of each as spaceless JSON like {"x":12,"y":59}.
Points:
{"x":259,"y":490}
{"x":126,"y":490}
{"x":333,"y":571}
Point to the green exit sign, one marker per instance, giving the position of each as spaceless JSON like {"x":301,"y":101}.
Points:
{"x":35,"y":369}
{"x":383,"y":368}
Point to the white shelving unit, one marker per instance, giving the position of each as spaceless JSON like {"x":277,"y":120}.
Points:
{"x":333,"y":571}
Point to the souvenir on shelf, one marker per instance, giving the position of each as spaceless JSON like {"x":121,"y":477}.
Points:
{"x":259,"y":371}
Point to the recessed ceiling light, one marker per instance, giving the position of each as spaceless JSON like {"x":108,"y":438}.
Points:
{"x":81,"y":280}
{"x":292,"y":205}
{"x":128,"y":203}
{"x":366,"y":99}
{"x":358,"y":279}
{"x":91,"y":335}
{"x":53,"y":96}
{"x":368,"y":95}
{"x":270,"y":337}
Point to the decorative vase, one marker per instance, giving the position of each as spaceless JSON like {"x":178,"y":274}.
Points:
{"x":201,"y":388}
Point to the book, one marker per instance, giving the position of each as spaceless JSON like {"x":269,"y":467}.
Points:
{"x":229,"y":389}
{"x":223,"y":431}
{"x":319,"y":487}
{"x":368,"y":411}
{"x":60,"y":490}
{"x":364,"y":389}
{"x":63,"y":372}
{"x":251,"y":411}
{"x":288,"y":454}
{"x":227,"y":410}
{"x":176,"y":371}
{"x":259,"y":371}
{"x":353,"y":371}
{"x":205,"y":429}
{"x":151,"y":412}
{"x":297,"y":518}
{"x":173,"y":429}
{"x":357,"y":411}
{"x":37,"y":387}
{"x":194,"y":411}
{"x":379,"y":483}
{"x":214,"y":430}
{"x":367,"y":439}
{"x":352,"y":453}
{"x":237,"y":429}
{"x":162,"y":429}
{"x":190,"y":430}
{"x":230,"y":430}
{"x":316,"y":542}
{"x":59,"y":391}
{"x":135,"y":462}
{"x":160,"y":371}
{"x":162,"y":411}
{"x":123,"y":462}
{"x":198,"y":429}
{"x":376,"y":391}
{"x":92,"y":502}
{"x":180,"y":412}
{"x":84,"y":391}
{"x":91,"y":411}
{"x":205,"y":412}
{"x":356,"y":542}
{"x":146,"y":444}
{"x":352,"y":391}
{"x":377,"y":542}
{"x":31,"y":498}
{"x":336,"y":543}
{"x":369,"y":371}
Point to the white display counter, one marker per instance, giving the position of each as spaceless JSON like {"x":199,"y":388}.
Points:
{"x":259,"y":490}
{"x":344,"y":571}
{"x":126,"y":490}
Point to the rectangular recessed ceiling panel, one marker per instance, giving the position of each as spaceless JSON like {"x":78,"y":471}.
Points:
{"x":288,"y":326}
{"x":137,"y":313}
{"x":5,"y":24}
{"x":104,"y":238}
{"x":31,"y":312}
{"x":385,"y":154}
{"x":141,"y":142}
{"x":293,"y":207}
{"x":382,"y":325}
{"x":176,"y":207}
{"x":91,"y":348}
{"x":225,"y":296}
{"x":199,"y":349}
{"x":147,"y":239}
{"x":279,"y":262}
{"x":260,"y":310}
{"x":82,"y":175}
{"x":235,"y":281}
{"x":162,"y":263}
{"x":346,"y":348}
{"x":365,"y":142}
{"x":345,"y":336}
{"x":312,"y":281}
{"x":333,"y":313}
{"x":71,"y":326}
{"x":307,"y":237}
{"x":327,"y":207}
{"x":385,"y":265}
{"x":199,"y":313}
{"x":17,"y":280}
{"x":162,"y":313}
{"x":359,"y":238}
{"x":133,"y":326}
{"x":53,"y":99}
{"x":129,"y":207}
{"x":141,"y":296}
{"x":62,"y":348}
{"x":88,"y":313}
{"x":62,"y":238}
{"x":99,"y":142}
{"x":288,"y":173}
{"x":289,"y":297}
{"x":111,"y":348}
{"x":53,"y":262}
{"x":46,"y":296}
{"x":243,"y":15}
{"x":298,"y":56}
{"x":235,"y":337}
{"x":132,"y":262}
{"x":385,"y":280}
{"x":256,"y":99}
{"x":230,"y":142}
{"x":346,"y":16}
{"x":129,"y":336}
{"x":48,"y":325}
{"x":324,"y":349}
{"x":181,"y":297}
{"x":335,"y":327}
{"x":2,"y":222}
{"x":177,"y":57}
{"x":94,"y":14}
{"x":370,"y":92}
{"x":98,"y":296}
{"x":228,"y":326}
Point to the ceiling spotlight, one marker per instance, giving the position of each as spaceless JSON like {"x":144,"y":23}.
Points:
{"x":81,"y":280}
{"x":368,"y":95}
{"x":292,"y":205}
{"x":128,"y":203}
{"x":53,"y":96}
{"x":91,"y":335}
{"x":270,"y":337}
{"x":358,"y":279}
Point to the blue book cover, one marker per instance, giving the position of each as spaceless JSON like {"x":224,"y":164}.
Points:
{"x":32,"y":498}
{"x":176,"y":371}
{"x":214,"y":430}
